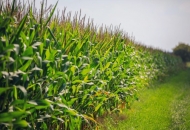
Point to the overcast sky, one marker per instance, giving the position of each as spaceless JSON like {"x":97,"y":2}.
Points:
{"x":157,"y":23}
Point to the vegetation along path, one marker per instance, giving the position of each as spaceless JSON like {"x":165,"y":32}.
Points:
{"x":165,"y":106}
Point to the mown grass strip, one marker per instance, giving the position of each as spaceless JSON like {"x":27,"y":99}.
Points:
{"x":161,"y":107}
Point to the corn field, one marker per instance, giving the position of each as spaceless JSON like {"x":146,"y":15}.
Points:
{"x":59,"y":72}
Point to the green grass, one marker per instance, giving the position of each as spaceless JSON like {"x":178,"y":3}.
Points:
{"x":162,"y":107}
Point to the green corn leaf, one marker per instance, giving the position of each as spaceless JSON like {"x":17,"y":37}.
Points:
{"x":31,"y":109}
{"x":98,"y":107}
{"x":28,"y":52}
{"x":44,"y":126}
{"x":26,"y":66}
{"x":57,"y":112}
{"x":74,"y":88}
{"x":2,"y":90}
{"x":21,"y":123}
{"x":71,"y":112}
{"x":107,"y":65}
{"x":71,"y":101}
{"x":8,"y":116}
{"x":15,"y":92}
{"x":73,"y":68}
{"x":29,"y":105}
{"x":51,"y":14}
{"x":39,"y":107}
{"x":50,"y":54}
{"x":77,"y":81}
{"x":19,"y":29}
{"x":5,"y":22}
{"x":9,"y":48}
{"x":41,"y":47}
{"x":17,"y":102}
{"x":84,"y":72}
{"x":52,"y":34}
{"x":25,"y":77}
{"x":84,"y":98}
{"x":32,"y":35}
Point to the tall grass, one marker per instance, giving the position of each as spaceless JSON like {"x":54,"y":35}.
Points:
{"x":58,"y":72}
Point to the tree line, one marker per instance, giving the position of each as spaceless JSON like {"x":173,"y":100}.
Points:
{"x":182,"y":50}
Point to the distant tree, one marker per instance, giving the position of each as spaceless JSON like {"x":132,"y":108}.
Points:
{"x":182,"y":50}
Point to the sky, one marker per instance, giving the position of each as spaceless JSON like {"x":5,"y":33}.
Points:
{"x":157,"y":23}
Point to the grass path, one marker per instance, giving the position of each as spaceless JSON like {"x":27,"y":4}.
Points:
{"x":165,"y":106}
